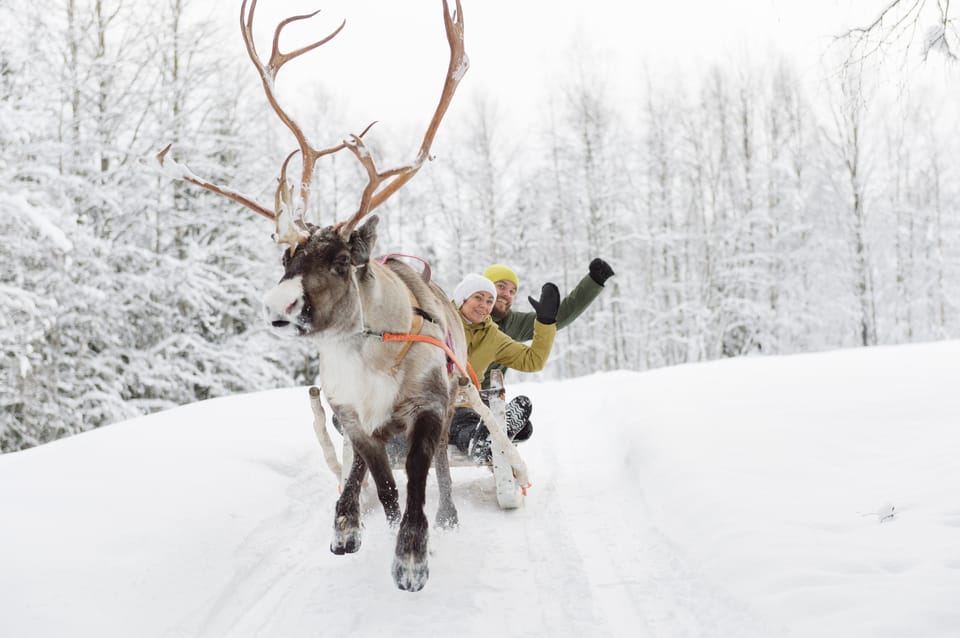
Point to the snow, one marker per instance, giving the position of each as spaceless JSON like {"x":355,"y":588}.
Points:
{"x":37,"y":215}
{"x":808,"y":495}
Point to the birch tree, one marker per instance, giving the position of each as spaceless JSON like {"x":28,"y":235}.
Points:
{"x":848,"y":143}
{"x":593,"y":183}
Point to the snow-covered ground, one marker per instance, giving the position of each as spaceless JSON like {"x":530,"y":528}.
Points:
{"x":812,"y":495}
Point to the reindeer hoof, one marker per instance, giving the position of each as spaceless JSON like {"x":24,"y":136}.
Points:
{"x":346,"y":538}
{"x":410,"y":573}
{"x":347,"y":546}
{"x":448,"y":519}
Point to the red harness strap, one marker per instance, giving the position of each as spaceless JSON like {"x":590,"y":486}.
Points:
{"x":392,"y":336}
{"x":425,"y":274}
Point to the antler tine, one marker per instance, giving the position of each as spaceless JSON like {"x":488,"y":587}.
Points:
{"x":179,"y":171}
{"x":456,"y":69}
{"x":291,"y":228}
{"x":394,"y":179}
{"x":268,"y":74}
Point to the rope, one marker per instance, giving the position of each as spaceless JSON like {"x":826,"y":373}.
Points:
{"x":356,"y":285}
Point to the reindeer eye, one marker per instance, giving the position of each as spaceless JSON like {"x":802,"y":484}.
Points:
{"x":341,"y":267}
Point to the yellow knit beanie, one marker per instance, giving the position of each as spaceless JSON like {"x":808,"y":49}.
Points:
{"x":499,"y":272}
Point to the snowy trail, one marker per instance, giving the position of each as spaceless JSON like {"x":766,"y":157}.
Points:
{"x":526,"y":561}
{"x":270,"y":564}
{"x":640,"y":584}
{"x":553,"y":567}
{"x":733,"y":499}
{"x":286,"y":581}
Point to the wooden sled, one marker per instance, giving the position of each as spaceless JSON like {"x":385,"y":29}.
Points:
{"x":510,"y":493}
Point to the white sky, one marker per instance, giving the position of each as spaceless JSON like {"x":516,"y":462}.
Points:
{"x":388,"y":64}
{"x":745,"y":498}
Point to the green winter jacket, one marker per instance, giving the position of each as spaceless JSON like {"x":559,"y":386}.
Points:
{"x":519,"y":325}
{"x":486,"y":344}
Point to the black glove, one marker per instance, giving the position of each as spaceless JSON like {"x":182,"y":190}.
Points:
{"x":549,"y":304}
{"x":600,"y":271}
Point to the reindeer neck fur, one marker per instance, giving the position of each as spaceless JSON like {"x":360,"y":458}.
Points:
{"x":385,"y":299}
{"x":356,"y":371}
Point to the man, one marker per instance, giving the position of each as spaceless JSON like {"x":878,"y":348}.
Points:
{"x":520,"y":327}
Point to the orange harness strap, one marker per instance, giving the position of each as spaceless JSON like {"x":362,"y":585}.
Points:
{"x":415,"y":328}
{"x":392,"y":336}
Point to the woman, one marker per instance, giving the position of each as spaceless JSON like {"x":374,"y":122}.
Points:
{"x":474,"y":297}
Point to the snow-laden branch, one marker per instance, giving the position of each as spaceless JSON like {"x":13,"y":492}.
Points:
{"x":37,"y":215}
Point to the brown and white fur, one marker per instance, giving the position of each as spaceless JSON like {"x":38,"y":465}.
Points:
{"x":334,"y":293}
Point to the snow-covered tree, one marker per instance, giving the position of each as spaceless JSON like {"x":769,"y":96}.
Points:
{"x":848,"y":138}
{"x":743,"y":212}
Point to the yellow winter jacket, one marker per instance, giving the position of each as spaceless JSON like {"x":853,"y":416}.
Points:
{"x":486,"y":345}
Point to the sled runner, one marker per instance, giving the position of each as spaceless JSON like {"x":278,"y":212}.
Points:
{"x":509,"y":491}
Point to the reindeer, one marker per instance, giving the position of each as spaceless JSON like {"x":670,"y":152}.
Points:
{"x":349,"y":303}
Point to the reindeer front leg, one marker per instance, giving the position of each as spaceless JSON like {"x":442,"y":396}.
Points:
{"x":410,"y":569}
{"x":374,"y":453}
{"x":346,"y":522}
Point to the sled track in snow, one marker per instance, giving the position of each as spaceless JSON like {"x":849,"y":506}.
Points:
{"x":643,"y":586}
{"x":537,"y":570}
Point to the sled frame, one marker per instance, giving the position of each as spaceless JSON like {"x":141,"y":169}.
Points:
{"x":510,"y":494}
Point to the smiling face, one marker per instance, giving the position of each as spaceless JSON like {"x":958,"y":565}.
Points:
{"x":477,"y":306}
{"x":506,"y":292}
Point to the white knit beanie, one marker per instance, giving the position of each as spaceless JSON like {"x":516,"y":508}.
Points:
{"x":472,"y":283}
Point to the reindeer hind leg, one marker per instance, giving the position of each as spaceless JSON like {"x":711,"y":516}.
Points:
{"x":447,"y":517}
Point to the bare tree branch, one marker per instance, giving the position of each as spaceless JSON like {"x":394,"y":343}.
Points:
{"x":905,"y":23}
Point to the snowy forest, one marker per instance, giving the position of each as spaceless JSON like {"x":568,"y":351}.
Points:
{"x":748,"y":212}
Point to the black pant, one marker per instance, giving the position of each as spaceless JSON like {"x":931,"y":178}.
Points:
{"x":465,"y":422}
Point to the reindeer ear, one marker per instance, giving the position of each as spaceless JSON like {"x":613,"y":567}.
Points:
{"x":363,"y":240}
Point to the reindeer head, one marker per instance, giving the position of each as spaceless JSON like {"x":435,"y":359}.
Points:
{"x":320,"y":288}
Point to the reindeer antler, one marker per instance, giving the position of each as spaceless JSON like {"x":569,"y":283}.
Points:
{"x":268,"y":76}
{"x":392,"y":180}
{"x":288,"y":215}
{"x":179,"y":171}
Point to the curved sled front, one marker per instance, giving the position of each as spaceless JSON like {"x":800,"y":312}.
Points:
{"x":509,"y":492}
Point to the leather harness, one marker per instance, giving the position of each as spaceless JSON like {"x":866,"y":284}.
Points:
{"x":413,"y":335}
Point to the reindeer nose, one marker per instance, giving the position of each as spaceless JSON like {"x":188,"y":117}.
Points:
{"x":280,"y":323}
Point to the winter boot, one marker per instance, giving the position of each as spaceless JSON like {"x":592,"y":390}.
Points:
{"x":525,"y":432}
{"x":479,"y":447}
{"x":518,"y":418}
